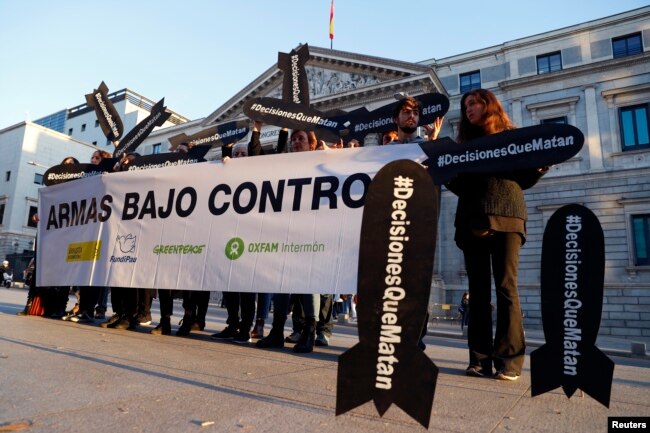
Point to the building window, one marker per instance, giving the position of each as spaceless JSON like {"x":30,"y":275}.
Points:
{"x":33,"y":210}
{"x":549,"y":63}
{"x":38,"y":179}
{"x":155,"y":148}
{"x":2,"y":212}
{"x":8,"y":176}
{"x":561,"y":120}
{"x":470,"y":81}
{"x":634,"y":127}
{"x":627,"y":45}
{"x":96,"y":123}
{"x":641,"y":237}
{"x":83,"y":127}
{"x":70,"y":131}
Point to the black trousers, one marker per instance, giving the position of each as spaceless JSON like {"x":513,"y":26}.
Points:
{"x":497,"y":256}
{"x":145,"y":298}
{"x":240,"y":300}
{"x":325,"y":323}
{"x":166,"y":300}
{"x":124,"y":301}
{"x":88,"y":296}
{"x":197,"y":301}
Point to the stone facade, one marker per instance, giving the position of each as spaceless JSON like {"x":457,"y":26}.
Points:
{"x":589,"y":91}
{"x":589,"y":86}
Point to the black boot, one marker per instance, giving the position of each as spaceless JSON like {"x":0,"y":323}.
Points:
{"x":201,"y":312}
{"x":307,"y":338}
{"x":275,"y":339}
{"x":186,"y":324}
{"x":163,"y":328}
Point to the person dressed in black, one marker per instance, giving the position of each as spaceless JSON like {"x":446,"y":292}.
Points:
{"x":124,"y":300}
{"x":406,"y":116}
{"x":239,"y":326}
{"x":463,"y":309}
{"x":7,"y":274}
{"x":490,"y":229}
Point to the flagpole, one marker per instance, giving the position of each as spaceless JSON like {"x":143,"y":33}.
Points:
{"x":332,"y":25}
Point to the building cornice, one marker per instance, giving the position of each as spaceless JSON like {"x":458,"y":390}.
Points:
{"x":570,"y":31}
{"x":552,"y":103}
{"x":577,"y":71}
{"x":593,"y":177}
{"x":625,"y":90}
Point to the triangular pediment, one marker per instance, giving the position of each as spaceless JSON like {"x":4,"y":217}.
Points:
{"x":338,"y":80}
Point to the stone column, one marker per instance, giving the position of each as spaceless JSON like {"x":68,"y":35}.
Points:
{"x":592,"y":135}
{"x":517,"y":118}
{"x":615,"y":139}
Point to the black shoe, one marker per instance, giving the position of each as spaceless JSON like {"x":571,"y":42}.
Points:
{"x":242,"y":337}
{"x":124,"y":323}
{"x":82,"y":318}
{"x":228,"y":333}
{"x":475,"y":371}
{"x":187,"y":323}
{"x":163,"y":328}
{"x":307,"y":338}
{"x":59,"y":314}
{"x":110,"y":323}
{"x":273,"y":340}
{"x":294,"y":337}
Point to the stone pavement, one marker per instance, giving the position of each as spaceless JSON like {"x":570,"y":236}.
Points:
{"x":58,"y":376}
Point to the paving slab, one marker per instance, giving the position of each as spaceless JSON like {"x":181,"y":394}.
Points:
{"x":58,"y":376}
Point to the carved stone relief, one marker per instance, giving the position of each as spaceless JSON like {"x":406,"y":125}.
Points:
{"x":324,"y":82}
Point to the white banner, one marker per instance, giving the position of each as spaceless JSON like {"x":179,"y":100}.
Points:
{"x":276,"y":223}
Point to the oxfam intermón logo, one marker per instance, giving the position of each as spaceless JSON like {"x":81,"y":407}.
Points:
{"x":234,"y":248}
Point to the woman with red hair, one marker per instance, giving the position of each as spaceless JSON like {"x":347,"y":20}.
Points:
{"x":490,"y":229}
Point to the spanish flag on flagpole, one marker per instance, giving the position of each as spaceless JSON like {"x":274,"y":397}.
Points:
{"x":331,"y":24}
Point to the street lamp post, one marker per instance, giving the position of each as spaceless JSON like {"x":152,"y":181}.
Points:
{"x":36,"y":164}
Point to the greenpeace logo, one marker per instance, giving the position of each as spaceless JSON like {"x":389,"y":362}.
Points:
{"x":178,"y":249}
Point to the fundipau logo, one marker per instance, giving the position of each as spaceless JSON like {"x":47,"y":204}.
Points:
{"x":126,"y":245}
{"x":234,"y":248}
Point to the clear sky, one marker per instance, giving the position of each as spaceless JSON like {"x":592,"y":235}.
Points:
{"x":197,"y":54}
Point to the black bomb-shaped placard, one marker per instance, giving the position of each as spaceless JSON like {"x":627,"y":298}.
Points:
{"x":396,"y":252}
{"x":572,"y":279}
